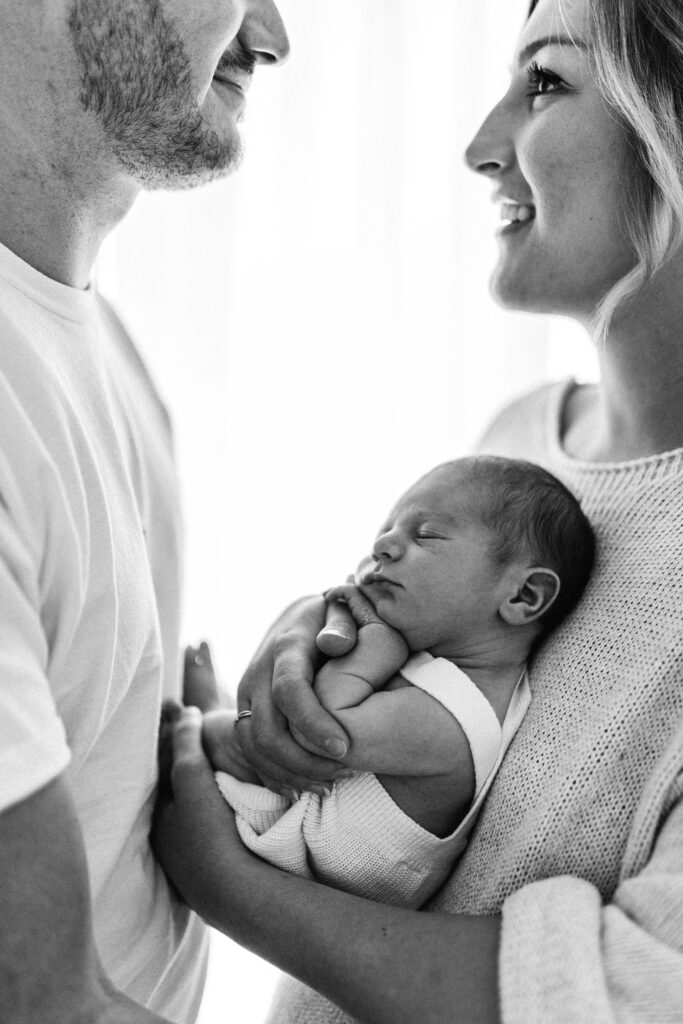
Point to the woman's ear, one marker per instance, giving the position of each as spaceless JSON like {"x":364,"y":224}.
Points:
{"x":533,"y":595}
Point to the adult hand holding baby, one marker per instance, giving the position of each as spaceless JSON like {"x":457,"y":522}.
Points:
{"x":278,"y":690}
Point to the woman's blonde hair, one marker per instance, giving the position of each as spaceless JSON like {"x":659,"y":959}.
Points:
{"x":637,"y":48}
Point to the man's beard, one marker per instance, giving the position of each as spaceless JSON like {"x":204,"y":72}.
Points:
{"x":136,"y":77}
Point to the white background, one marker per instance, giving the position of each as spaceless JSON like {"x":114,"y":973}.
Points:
{"x":320,"y":324}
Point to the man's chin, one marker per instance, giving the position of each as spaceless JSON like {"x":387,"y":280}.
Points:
{"x":178,"y":171}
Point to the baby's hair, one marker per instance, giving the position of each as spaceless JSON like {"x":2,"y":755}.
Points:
{"x":529,"y":511}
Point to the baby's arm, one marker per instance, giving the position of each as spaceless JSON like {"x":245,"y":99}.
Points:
{"x":395,"y":728}
{"x":397,"y":731}
{"x":419,"y":752}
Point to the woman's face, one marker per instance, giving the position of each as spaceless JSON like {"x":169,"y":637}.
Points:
{"x":559,"y":163}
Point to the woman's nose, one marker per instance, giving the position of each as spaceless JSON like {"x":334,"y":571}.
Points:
{"x":388,"y":547}
{"x":263,"y":32}
{"x":492,"y":150}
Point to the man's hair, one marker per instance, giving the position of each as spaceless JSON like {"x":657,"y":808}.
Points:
{"x":637,"y":58}
{"x":529,"y":512}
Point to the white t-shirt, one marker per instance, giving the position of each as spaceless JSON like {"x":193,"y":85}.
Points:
{"x":89,"y":610}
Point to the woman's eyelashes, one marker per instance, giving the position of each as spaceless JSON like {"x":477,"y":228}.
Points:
{"x":543,"y":82}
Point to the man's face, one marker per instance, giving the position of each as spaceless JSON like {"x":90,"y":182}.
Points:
{"x":168,"y":79}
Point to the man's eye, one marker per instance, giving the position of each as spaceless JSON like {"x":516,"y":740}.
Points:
{"x":543,"y":82}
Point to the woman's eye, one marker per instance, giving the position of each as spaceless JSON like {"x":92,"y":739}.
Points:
{"x":543,"y":82}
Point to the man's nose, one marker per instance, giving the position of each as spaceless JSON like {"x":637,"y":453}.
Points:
{"x":492,"y":150}
{"x":263,"y":33}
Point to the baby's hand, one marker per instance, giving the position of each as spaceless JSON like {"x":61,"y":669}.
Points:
{"x":361,"y":608}
{"x":388,"y":645}
{"x":380,"y":652}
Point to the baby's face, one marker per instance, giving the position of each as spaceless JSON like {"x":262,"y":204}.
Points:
{"x":431,"y":574}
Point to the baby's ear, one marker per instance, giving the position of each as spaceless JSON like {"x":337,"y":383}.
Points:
{"x":534,"y":594}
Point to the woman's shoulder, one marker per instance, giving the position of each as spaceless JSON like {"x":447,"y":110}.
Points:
{"x":528,"y":426}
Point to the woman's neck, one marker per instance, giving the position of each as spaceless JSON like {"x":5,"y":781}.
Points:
{"x":637,"y":409}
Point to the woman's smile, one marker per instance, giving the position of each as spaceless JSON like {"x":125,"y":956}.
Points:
{"x":516,"y":217}
{"x":552,"y":137}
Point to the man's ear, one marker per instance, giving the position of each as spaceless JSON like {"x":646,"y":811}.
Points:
{"x":534,"y":594}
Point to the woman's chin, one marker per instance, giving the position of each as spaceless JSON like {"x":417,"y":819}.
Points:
{"x":513,"y":294}
{"x":516,"y":295}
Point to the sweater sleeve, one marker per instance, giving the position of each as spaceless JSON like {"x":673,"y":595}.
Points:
{"x":568,"y":958}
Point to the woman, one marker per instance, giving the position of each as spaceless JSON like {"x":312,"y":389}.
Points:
{"x":568,"y":903}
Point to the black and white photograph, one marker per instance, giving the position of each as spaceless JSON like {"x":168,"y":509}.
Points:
{"x":341,"y":512}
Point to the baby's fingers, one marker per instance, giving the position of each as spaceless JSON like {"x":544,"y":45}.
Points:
{"x":358,"y":604}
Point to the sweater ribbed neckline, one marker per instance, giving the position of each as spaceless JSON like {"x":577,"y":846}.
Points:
{"x":641,"y":471}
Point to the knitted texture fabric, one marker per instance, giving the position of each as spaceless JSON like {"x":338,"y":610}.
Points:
{"x":580,"y":841}
{"x":356,"y":838}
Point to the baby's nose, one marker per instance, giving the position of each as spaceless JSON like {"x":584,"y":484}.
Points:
{"x":387,"y":548}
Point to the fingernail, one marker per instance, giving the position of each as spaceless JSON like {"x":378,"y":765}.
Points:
{"x":336,"y":632}
{"x":196,"y":657}
{"x":336,"y":747}
{"x":348,"y":773}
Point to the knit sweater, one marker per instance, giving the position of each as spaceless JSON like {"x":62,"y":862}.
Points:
{"x":580,"y":842}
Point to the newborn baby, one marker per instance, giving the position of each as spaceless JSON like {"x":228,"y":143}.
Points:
{"x":476,"y":563}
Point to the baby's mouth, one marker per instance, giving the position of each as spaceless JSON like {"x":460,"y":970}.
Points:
{"x":375,"y":576}
{"x":365,"y":577}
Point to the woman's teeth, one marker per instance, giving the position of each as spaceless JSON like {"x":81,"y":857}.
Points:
{"x":517,"y":213}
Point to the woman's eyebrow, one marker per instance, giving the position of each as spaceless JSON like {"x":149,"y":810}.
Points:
{"x":539,"y":44}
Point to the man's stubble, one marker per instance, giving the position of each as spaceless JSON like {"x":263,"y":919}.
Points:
{"x":137,"y":80}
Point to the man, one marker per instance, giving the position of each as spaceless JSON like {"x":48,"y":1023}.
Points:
{"x":100,"y":98}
